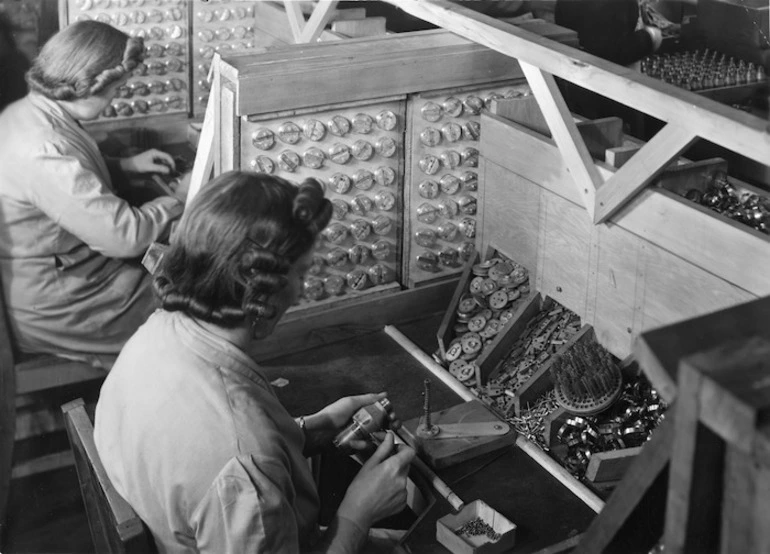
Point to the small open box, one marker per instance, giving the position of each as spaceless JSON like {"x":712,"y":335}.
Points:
{"x":448,"y":526}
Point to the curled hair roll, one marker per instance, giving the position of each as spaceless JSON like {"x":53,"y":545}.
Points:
{"x":310,"y":206}
{"x":174,"y":301}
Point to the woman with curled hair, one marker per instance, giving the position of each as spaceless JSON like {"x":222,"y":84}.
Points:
{"x":188,"y":427}
{"x":70,"y":243}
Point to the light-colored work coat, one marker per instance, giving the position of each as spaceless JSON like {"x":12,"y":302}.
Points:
{"x":68,"y":244}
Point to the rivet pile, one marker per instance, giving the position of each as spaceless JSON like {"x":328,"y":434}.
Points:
{"x":702,"y":70}
{"x":476,"y":527}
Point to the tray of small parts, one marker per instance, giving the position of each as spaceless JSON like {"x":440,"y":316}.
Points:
{"x":476,"y":529}
{"x":489,"y":296}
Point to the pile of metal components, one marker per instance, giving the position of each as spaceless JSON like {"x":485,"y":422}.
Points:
{"x":722,"y":197}
{"x":476,"y":527}
{"x":543,"y":335}
{"x":625,"y":424}
{"x":496,"y":289}
{"x":702,"y":70}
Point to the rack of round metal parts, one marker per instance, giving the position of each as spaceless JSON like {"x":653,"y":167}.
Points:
{"x":161,"y":83}
{"x":356,"y":153}
{"x":698,"y":70}
{"x":444,"y":177}
{"x":497,"y":288}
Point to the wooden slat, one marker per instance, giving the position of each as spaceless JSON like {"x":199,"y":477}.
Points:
{"x":718,"y":123}
{"x":208,"y":144}
{"x":323,"y":13}
{"x":7,"y":412}
{"x":370,"y":26}
{"x":50,"y":462}
{"x":565,"y":133}
{"x":296,"y":19}
{"x":270,"y":18}
{"x":612,"y":465}
{"x":640,"y":170}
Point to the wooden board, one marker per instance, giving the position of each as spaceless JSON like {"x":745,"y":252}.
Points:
{"x":612,"y":465}
{"x":448,"y":452}
{"x":367,"y":27}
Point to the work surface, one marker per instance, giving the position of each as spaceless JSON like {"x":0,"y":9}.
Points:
{"x":508,"y":480}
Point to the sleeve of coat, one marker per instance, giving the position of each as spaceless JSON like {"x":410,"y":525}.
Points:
{"x":247,"y":509}
{"x":69,"y":191}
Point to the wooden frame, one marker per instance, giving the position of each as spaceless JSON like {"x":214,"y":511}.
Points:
{"x":688,"y":116}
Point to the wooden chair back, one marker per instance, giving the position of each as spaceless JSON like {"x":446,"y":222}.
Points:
{"x":115,"y":526}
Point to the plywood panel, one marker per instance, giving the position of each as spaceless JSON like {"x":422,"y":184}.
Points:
{"x":511,"y":215}
{"x":565,"y":252}
{"x":616,"y":284}
{"x":676,"y":290}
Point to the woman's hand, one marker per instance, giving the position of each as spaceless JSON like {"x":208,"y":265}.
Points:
{"x":322,"y":426}
{"x":181,"y":186}
{"x":149,"y":161}
{"x":379,"y":489}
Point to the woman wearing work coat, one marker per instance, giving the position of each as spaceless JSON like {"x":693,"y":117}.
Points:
{"x":69,"y":245}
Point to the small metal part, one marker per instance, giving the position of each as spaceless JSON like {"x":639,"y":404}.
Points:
{"x":426,"y":429}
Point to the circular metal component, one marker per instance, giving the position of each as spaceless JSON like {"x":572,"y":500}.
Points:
{"x":470,"y":181}
{"x":362,"y":123}
{"x":338,"y":126}
{"x":452,"y":132}
{"x":175,"y":32}
{"x":340,"y":208}
{"x":427,"y":213}
{"x":361,"y":204}
{"x":362,"y":150}
{"x":467,"y":204}
{"x":334,"y":285}
{"x":174,"y":14}
{"x":425,"y":237}
{"x":450,"y":159}
{"x":430,"y":136}
{"x":449,"y":184}
{"x":174,"y":49}
{"x":140,"y":69}
{"x":471,"y":342}
{"x":340,"y":153}
{"x":385,"y":176}
{"x":428,"y":189}
{"x":357,"y":279}
{"x":429,"y":164}
{"x":386,"y":147}
{"x":155,"y":50}
{"x":336,"y":233}
{"x":313,"y":158}
{"x":139,"y":88}
{"x":448,"y":208}
{"x":289,"y":133}
{"x":140,"y":106}
{"x":381,"y":249}
{"x":472,"y":130}
{"x":360,"y":229}
{"x":313,"y":289}
{"x":477,"y":323}
{"x":138,"y":17}
{"x":466,"y":251}
{"x":475,"y":284}
{"x":206,"y":52}
{"x":382,"y":225}
{"x":387,"y":120}
{"x":314,"y":130}
{"x":174,"y":102}
{"x":470,"y":157}
{"x":223,"y":33}
{"x":431,"y":112}
{"x":448,"y":257}
{"x":288,"y":161}
{"x":385,"y":200}
{"x":358,"y":254}
{"x":124,"y":92}
{"x":157,"y":87}
{"x":174,"y":65}
{"x":453,"y":106}
{"x":491,"y":97}
{"x":380,"y":274}
{"x":363,"y":179}
{"x":473,"y":104}
{"x":123,"y":109}
{"x":337,"y":257}
{"x":157,"y":105}
{"x":340,"y":183}
{"x":427,"y":261}
{"x":498,"y":300}
{"x":447,"y":231}
{"x":263,"y":138}
{"x":205,"y":35}
{"x":262,"y":164}
{"x":156,"y":16}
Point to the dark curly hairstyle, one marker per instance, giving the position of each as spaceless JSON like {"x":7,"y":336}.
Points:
{"x":236,"y":243}
{"x":82,"y":60}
